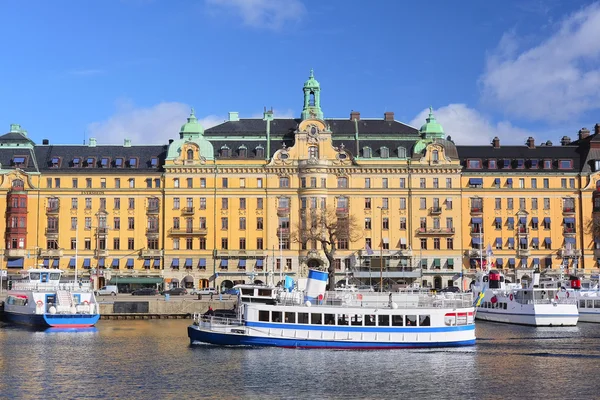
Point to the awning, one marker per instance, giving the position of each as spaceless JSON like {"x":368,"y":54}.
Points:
{"x":546,"y":220}
{"x":101,"y":262}
{"x":146,"y":263}
{"x":510,"y":220}
{"x":523,"y":220}
{"x":202,"y":263}
{"x":86,"y":262}
{"x":536,"y":241}
{"x":476,"y":240}
{"x":451,"y":262}
{"x":46,"y":262}
{"x":402,"y":240}
{"x":115,"y":263}
{"x":448,"y":199}
{"x":72,"y":263}
{"x":511,"y":240}
{"x":15,"y":262}
{"x":259,"y":263}
{"x":511,"y":261}
{"x":534,"y":220}
{"x":498,"y":220}
{"x":436,"y":262}
{"x":569,"y":220}
{"x":130,"y":262}
{"x":224,"y":263}
{"x":242,"y":263}
{"x":536,"y":261}
{"x":157,"y":262}
{"x":499,"y":261}
{"x":475,"y":181}
{"x":569,"y":240}
{"x":476,"y":220}
{"x":386,"y":240}
{"x":509,"y":181}
{"x":548,"y":241}
{"x":140,"y":280}
{"x":188,"y":263}
{"x":499,"y":242}
{"x":175,"y":262}
{"x":56,"y":263}
{"x":523,"y":241}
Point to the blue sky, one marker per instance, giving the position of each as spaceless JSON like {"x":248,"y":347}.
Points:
{"x":132,"y":68}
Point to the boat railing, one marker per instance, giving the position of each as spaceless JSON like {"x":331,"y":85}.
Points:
{"x":51,"y":286}
{"x":203,"y":318}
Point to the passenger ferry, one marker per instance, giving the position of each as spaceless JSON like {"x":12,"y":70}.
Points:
{"x":499,"y":301}
{"x":586,"y":294}
{"x":40,"y":299}
{"x":340,"y":320}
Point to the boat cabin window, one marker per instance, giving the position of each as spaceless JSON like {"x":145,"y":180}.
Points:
{"x":316,"y":319}
{"x":329,"y":319}
{"x":54,"y":277}
{"x":424,"y":320}
{"x":264,"y":292}
{"x":370,"y":320}
{"x":17,"y":300}
{"x":397,"y":320}
{"x":411,"y":320}
{"x":581,"y":303}
{"x":248,"y":292}
{"x":357,"y":320}
{"x":276,"y":316}
{"x":290,"y":317}
{"x":263,"y":316}
{"x":596,"y":303}
{"x":302,"y":318}
{"x":34,"y":276}
{"x":343,"y":319}
{"x":384,"y":320}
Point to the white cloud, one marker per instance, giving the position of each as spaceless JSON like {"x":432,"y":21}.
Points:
{"x":267,"y":14}
{"x":150,"y":125}
{"x":556,"y":80}
{"x":468,"y":126}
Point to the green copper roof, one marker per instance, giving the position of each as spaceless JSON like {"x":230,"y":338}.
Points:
{"x":420,"y":146}
{"x":311,"y":82}
{"x":432,"y":129}
{"x":191,"y":126}
{"x":312,"y":98}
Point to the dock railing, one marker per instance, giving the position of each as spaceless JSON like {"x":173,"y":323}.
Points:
{"x":51,"y":286}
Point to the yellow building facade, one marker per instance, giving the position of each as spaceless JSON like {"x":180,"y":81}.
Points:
{"x":224,"y":204}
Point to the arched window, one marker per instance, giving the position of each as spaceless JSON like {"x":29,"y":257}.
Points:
{"x":313,"y":152}
{"x":242,"y":151}
{"x":435,"y":156}
{"x":190,"y":154}
{"x":367,"y":152}
{"x":385,"y":152}
{"x":18,"y":183}
{"x":225,"y":151}
{"x":260,"y":152}
{"x":311,"y":101}
{"x":401,"y":152}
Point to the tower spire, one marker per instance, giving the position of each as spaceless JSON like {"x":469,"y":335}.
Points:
{"x":312,"y":98}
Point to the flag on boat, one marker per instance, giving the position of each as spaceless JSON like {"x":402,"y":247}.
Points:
{"x":489,"y":251}
{"x":479,"y":298}
{"x":370,"y":251}
{"x":289,"y":283}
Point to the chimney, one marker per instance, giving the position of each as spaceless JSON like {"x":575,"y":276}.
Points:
{"x":268,"y":114}
{"x":92,"y":142}
{"x":531,"y":142}
{"x":127,"y":142}
{"x":496,"y":143}
{"x":548,"y":143}
{"x":354,"y":115}
{"x":45,"y":141}
{"x":597,"y":129}
{"x":583,"y":133}
{"x":565,"y":141}
{"x":170,"y":141}
{"x":388,"y":116}
{"x":234,"y":116}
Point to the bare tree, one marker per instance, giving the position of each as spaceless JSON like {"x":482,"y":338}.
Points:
{"x":593,"y":227}
{"x":328,"y":227}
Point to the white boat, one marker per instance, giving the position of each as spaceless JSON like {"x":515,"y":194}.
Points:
{"x":340,"y":320}
{"x":586,"y":293}
{"x":499,"y":301}
{"x":40,"y":299}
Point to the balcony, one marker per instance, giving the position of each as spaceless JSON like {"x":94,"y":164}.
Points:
{"x":341,"y":211}
{"x":16,"y":230}
{"x":477,"y":210}
{"x":240,"y":253}
{"x":435,"y":231}
{"x":388,"y":272}
{"x":475,"y":253}
{"x":435,"y":210}
{"x":52,"y":232}
{"x":102,"y":231}
{"x":283,"y":232}
{"x":50,"y":253}
{"x":152,"y":210}
{"x":52,"y":210}
{"x":569,"y":211}
{"x":565,"y":253}
{"x":523,"y":252}
{"x":476,"y":232}
{"x":15,"y":253}
{"x":522,"y":231}
{"x":99,"y":253}
{"x":283,"y":211}
{"x":187,"y":211}
{"x":152,"y":232}
{"x":569,"y":232}
{"x":187,"y":231}
{"x":150,"y":253}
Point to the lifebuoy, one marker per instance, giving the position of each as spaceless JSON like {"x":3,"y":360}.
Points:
{"x":511,"y":297}
{"x":39,"y":303}
{"x":85,"y":302}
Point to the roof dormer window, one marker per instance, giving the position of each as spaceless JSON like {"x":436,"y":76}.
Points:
{"x":242,"y":151}
{"x":402,"y":152}
{"x":520,"y":163}
{"x":547,"y":164}
{"x":260,"y":152}
{"x":104,"y":162}
{"x":385,"y":152}
{"x":506,"y":163}
{"x":90,"y":162}
{"x":119,"y":162}
{"x":492,"y":163}
{"x":565,"y":164}
{"x":154,"y":162}
{"x":77,"y":162}
{"x":367,"y":152}
{"x":225,"y":151}
{"x":19,"y":161}
{"x":133,"y":162}
{"x":474,"y":163}
{"x":534,"y":164}
{"x":55,"y":162}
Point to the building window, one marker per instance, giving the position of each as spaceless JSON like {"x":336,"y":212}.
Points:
{"x":131,"y":202}
{"x":88,"y":183}
{"x":384,"y":183}
{"x":449,"y":183}
{"x":367,"y":152}
{"x":342,"y":182}
{"x":259,"y":204}
{"x":422,"y":183}
{"x":130,"y":223}
{"x":450,"y":243}
{"x":243,"y":223}
{"x":385,"y":152}
{"x":474,"y":164}
{"x":367,"y":183}
{"x":224,"y":243}
{"x":546,"y":203}
{"x":402,"y":183}
{"x":422,"y":203}
{"x":436,"y":183}
{"x":367,"y":203}
{"x":423,"y":244}
{"x":313,"y":152}
{"x":175,"y":243}
{"x":385,"y":223}
{"x":190,"y":183}
{"x":402,"y":223}
{"x":259,"y":223}
{"x":225,"y":203}
{"x":132,"y":183}
{"x":367,"y":223}
{"x":284,"y":182}
{"x":385,"y":203}
{"x":436,"y":244}
{"x":224,"y":223}
{"x":403,"y":203}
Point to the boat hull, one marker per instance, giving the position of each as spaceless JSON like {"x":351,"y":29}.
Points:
{"x":49,"y":320}
{"x":589,"y":316}
{"x":535,"y":317}
{"x":198,"y":334}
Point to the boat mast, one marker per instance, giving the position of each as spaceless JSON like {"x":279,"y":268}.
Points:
{"x":76,"y":247}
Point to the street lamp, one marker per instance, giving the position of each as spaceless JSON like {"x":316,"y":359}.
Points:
{"x":380,"y":249}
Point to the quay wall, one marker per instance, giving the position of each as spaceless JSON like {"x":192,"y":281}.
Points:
{"x":159,"y":308}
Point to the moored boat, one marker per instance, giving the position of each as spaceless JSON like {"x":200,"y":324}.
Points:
{"x":40,"y":299}
{"x":586,"y":293}
{"x":342,"y":320}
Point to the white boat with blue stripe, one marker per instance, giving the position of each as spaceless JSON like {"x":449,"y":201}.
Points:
{"x":340,"y":320}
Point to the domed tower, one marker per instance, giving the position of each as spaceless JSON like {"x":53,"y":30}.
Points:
{"x":431,"y":129}
{"x":312,"y":98}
